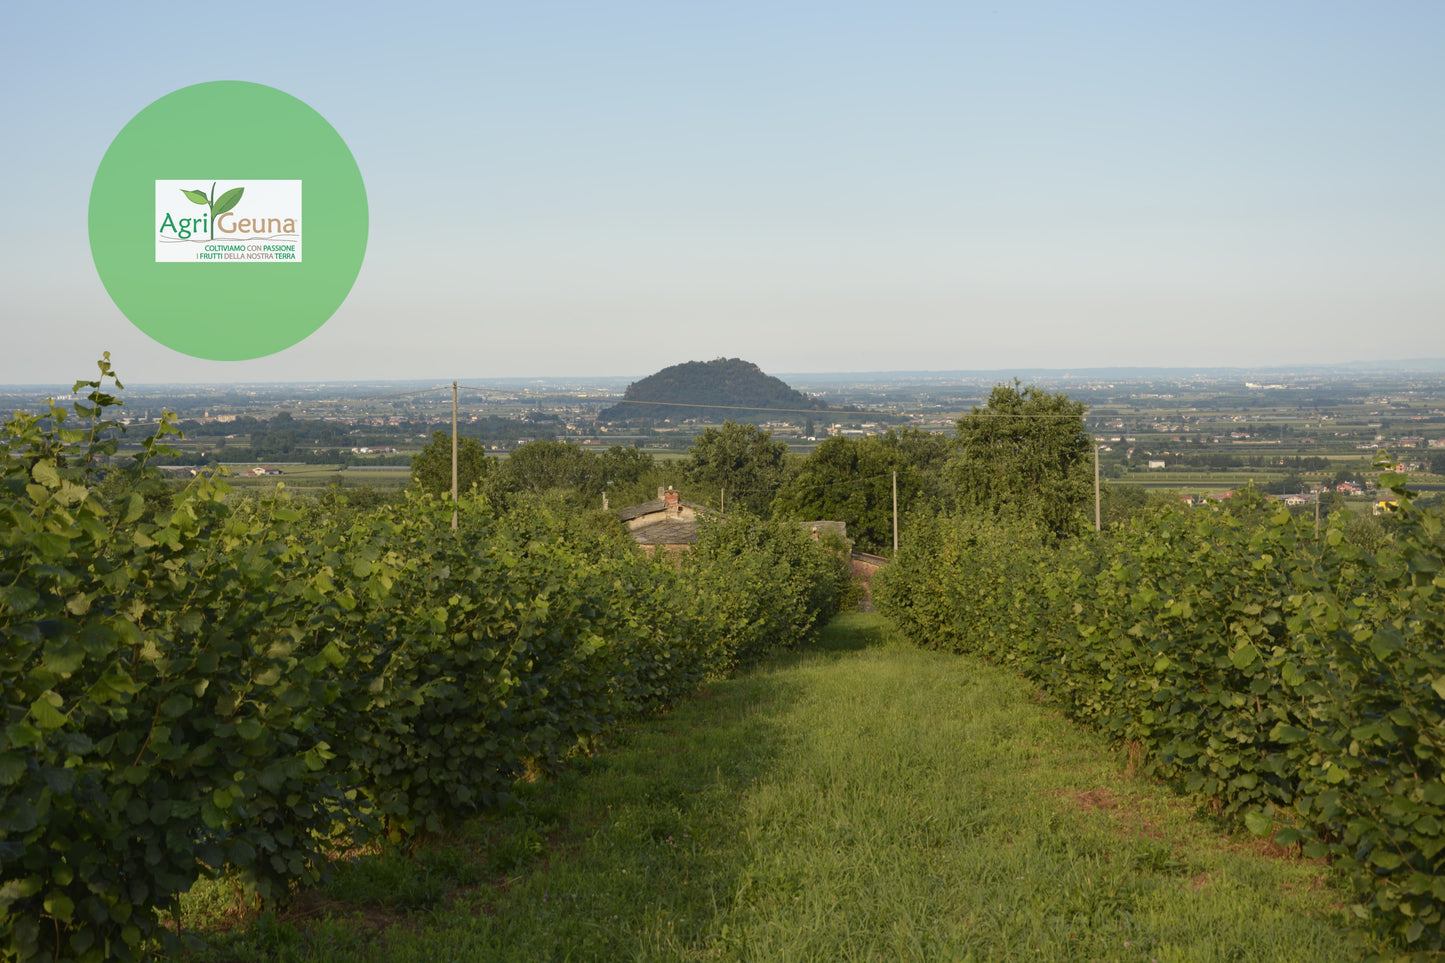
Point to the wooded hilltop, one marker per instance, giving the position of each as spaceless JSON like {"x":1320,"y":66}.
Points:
{"x":738,"y":389}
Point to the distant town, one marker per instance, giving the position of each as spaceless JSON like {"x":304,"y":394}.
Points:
{"x":1204,"y":432}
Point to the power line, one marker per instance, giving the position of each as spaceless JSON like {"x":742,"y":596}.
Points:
{"x":535,"y":394}
{"x":795,"y":487}
{"x":395,"y":394}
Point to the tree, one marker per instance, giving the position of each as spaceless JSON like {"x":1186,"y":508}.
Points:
{"x":1288,"y":485}
{"x":925,"y":453}
{"x":845,"y":479}
{"x":1121,"y":503}
{"x":631,"y":476}
{"x":622,"y":466}
{"x":1331,"y":503}
{"x":1025,"y":457}
{"x":1345,"y":475}
{"x":743,"y":460}
{"x":543,"y":466}
{"x":851,"y":480}
{"x":431,"y":468}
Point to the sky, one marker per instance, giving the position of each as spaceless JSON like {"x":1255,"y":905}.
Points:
{"x":606,"y":188}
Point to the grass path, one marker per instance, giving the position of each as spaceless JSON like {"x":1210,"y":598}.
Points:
{"x":857,"y":801}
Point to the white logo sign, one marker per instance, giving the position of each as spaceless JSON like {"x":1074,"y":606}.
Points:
{"x":235,"y":222}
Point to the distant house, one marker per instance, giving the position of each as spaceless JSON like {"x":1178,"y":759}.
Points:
{"x":819,"y":527}
{"x":671,"y":523}
{"x":864,"y":568}
{"x":667,"y":521}
{"x":1156,"y":463}
{"x":1347,"y":488}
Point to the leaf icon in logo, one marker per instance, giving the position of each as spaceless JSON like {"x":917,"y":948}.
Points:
{"x":197,"y":197}
{"x":227,"y":201}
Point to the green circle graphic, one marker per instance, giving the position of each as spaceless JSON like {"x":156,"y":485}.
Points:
{"x":227,"y":132}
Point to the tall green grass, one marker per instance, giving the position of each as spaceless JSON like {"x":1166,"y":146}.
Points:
{"x":859,"y":800}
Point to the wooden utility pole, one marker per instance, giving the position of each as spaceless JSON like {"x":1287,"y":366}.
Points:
{"x":895,"y":514}
{"x":1319,"y":495}
{"x":454,"y":456}
{"x":1098,"y":520}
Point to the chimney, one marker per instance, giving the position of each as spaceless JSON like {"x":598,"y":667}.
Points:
{"x":659,"y":492}
{"x":670,"y":500}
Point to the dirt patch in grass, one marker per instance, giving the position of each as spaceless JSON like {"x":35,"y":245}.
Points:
{"x":1126,"y":815}
{"x":1318,"y":882}
{"x":367,"y":918}
{"x":1130,"y":818}
{"x":1093,"y":799}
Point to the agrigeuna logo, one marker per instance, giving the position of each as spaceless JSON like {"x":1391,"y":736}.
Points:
{"x":228,"y":222}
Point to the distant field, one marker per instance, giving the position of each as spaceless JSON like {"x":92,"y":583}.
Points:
{"x":665,"y":454}
{"x":1199,"y":479}
{"x":322,"y":476}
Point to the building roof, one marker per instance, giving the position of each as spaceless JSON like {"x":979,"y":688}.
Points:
{"x":665,"y":520}
{"x":840,"y":528}
{"x":669,"y":531}
{"x":656,"y":505}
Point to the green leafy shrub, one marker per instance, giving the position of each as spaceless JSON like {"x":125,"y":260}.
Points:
{"x":503,"y":647}
{"x":158,"y":712}
{"x":769,"y":584}
{"x":1298,"y":683}
{"x":194,"y":683}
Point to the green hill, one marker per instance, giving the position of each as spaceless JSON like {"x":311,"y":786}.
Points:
{"x":724,"y":389}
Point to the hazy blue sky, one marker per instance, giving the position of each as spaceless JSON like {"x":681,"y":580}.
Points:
{"x":610,"y":187}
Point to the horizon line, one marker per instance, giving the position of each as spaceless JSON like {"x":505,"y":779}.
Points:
{"x":1431,"y":365}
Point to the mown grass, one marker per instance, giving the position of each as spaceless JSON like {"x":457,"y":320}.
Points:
{"x":861,"y":800}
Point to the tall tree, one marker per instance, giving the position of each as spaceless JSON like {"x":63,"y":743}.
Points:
{"x":542,"y":466}
{"x":631,"y":476}
{"x":622,"y":466}
{"x":743,"y":459}
{"x":851,"y":480}
{"x":431,"y":468}
{"x":848,"y":480}
{"x":1025,"y":456}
